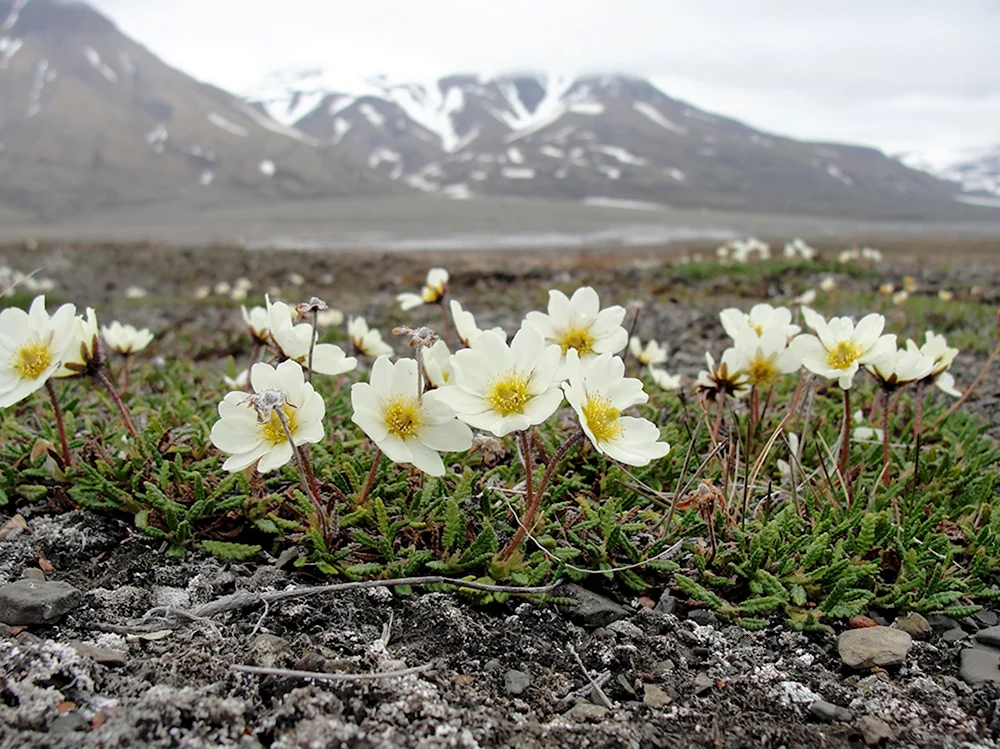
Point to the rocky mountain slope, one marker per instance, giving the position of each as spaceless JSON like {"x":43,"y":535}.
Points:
{"x":603,"y":138}
{"x":90,"y":119}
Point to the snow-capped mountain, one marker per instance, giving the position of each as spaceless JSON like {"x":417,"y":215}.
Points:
{"x":89,"y":118}
{"x":596,"y":137}
{"x":978,"y":174}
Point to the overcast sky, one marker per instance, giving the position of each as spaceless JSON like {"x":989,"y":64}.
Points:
{"x":903,"y":75}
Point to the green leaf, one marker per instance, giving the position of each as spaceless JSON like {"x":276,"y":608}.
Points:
{"x":231,"y":551}
{"x":454,"y":524}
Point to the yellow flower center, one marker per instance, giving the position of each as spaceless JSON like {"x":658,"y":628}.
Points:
{"x":758,"y":329}
{"x":508,"y":393}
{"x":403,"y":416}
{"x":273,"y":431}
{"x":32,"y":359}
{"x":579,"y":338}
{"x":431,"y":294}
{"x":844,"y":354}
{"x":762,"y":371}
{"x":602,"y":418}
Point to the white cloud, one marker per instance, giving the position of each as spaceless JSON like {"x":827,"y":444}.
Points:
{"x":896,"y":74}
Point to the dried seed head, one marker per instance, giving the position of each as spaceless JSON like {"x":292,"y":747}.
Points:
{"x":266,"y":402}
{"x":419,"y":337}
{"x":315,"y":304}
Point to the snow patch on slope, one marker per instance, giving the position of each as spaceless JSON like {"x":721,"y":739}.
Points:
{"x":100,"y":66}
{"x":230,"y":127}
{"x":649,"y":111}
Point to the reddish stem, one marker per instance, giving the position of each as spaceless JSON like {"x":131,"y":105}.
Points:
{"x":60,"y":426}
{"x":102,"y":377}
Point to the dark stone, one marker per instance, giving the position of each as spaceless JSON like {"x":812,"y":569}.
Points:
{"x":667,"y":604}
{"x":830,"y":713}
{"x":878,"y":619}
{"x":701,"y":653}
{"x":941,"y":623}
{"x":703,"y":617}
{"x":515,"y":682}
{"x":969,"y":624}
{"x":592,"y":609}
{"x":36,"y":601}
{"x":980,"y":665}
{"x":954,"y":635}
{"x":989,"y":636}
{"x":987,"y":617}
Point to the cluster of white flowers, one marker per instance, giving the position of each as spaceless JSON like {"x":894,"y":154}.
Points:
{"x":237,"y":290}
{"x":865,"y":254}
{"x":798,"y":249}
{"x":743,"y":250}
{"x":767,"y":346}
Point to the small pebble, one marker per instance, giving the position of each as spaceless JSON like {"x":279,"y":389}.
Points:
{"x":515,"y":682}
{"x":989,"y":636}
{"x":980,"y":665}
{"x":875,"y":730}
{"x":913,"y":624}
{"x":36,"y":601}
{"x":830,"y":713}
{"x":655,"y":696}
{"x":987,"y":617}
{"x":587,"y":712}
{"x":703,"y":617}
{"x":873,"y":646}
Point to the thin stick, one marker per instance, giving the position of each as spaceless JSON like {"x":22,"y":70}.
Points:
{"x":972,"y":387}
{"x":312,"y":342}
{"x":323,"y":676}
{"x":593,"y":684}
{"x":60,"y":426}
{"x":102,"y":377}
{"x":536,"y":500}
{"x":370,"y":481}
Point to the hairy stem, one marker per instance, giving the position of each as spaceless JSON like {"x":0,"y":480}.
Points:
{"x":370,"y":481}
{"x":536,"y":499}
{"x":446,"y":319}
{"x":885,"y":438}
{"x":102,"y":377}
{"x":305,"y":472}
{"x":60,"y":426}
{"x":312,"y":343}
{"x":918,"y":423}
{"x":525,"y":441}
{"x":845,"y":444}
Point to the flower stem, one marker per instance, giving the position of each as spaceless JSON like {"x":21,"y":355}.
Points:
{"x":535,"y":499}
{"x":126,"y":372}
{"x":312,"y":343}
{"x":305,"y":472}
{"x":445,"y":319}
{"x":972,"y":387}
{"x":885,"y":438}
{"x":918,"y":423}
{"x":845,"y":446}
{"x":370,"y":481}
{"x":254,"y":353}
{"x":60,"y":426}
{"x":528,"y":464}
{"x":102,"y":377}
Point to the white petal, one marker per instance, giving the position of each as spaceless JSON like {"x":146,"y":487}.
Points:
{"x":452,"y":436}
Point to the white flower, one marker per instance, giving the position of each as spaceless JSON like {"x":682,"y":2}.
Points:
{"x":865,"y":433}
{"x":239,"y":381}
{"x":433,"y":291}
{"x":501,"y":388}
{"x":900,"y":296}
{"x":650,"y":355}
{"x":664,"y":379}
{"x":465,"y":324}
{"x":437,"y":364}
{"x":84,"y":350}
{"x":936,"y":347}
{"x":135,"y":292}
{"x":599,"y":391}
{"x":839,"y":348}
{"x":240,"y":432}
{"x":580,"y":324}
{"x":222,"y":288}
{"x":367,"y":341}
{"x":761,"y":318}
{"x":238,"y":294}
{"x":126,"y":339}
{"x":766,"y":358}
{"x":293,"y":341}
{"x":202,"y":292}
{"x":900,"y":367}
{"x":828,"y":284}
{"x":407,"y":427}
{"x":329,"y":318}
{"x":296,"y":279}
{"x":945,"y":295}
{"x":724,"y":378}
{"x":32,"y":346}
{"x":806,"y":297}
{"x":886,"y":289}
{"x":256,"y":319}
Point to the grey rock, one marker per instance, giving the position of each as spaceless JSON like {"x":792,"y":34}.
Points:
{"x":587,"y":712}
{"x":989,"y":636}
{"x":655,"y":696}
{"x":830,"y":713}
{"x":873,"y":646}
{"x":941,"y":623}
{"x":492,"y":664}
{"x":36,"y":601}
{"x":592,"y":609}
{"x":625,"y":629}
{"x":954,"y":635}
{"x":32,"y":573}
{"x":515,"y":682}
{"x":987,"y":617}
{"x":69,"y":723}
{"x":269,"y":649}
{"x":970,"y":624}
{"x":878,"y":619}
{"x":667,"y":604}
{"x":980,"y":665}
{"x":703,"y":617}
{"x":702,"y":683}
{"x":875,"y":730}
{"x":913,"y":624}
{"x":100,"y":655}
